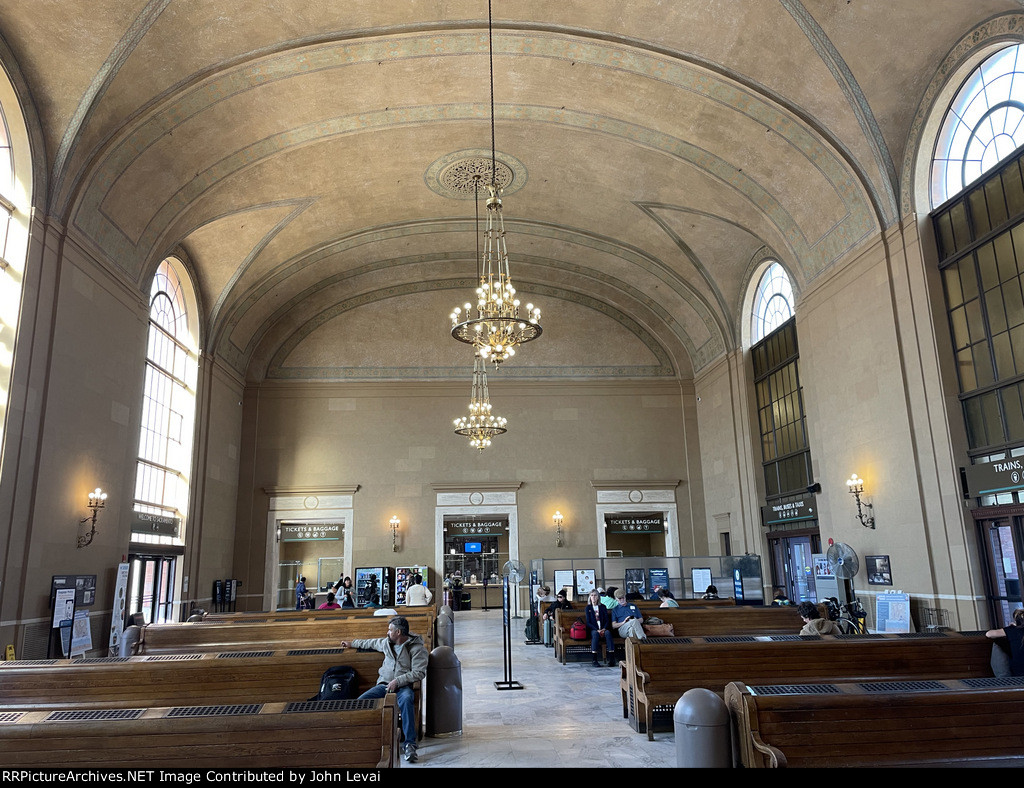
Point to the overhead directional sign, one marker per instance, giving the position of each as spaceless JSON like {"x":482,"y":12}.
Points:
{"x":994,"y":477}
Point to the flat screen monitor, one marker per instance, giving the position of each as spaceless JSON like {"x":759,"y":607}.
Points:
{"x":474,"y":547}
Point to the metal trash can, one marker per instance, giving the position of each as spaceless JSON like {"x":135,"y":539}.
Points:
{"x":446,"y":627}
{"x":444,"y":693}
{"x":703,"y":738}
{"x":129,"y":641}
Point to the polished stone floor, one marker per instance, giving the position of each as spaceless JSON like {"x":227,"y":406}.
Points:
{"x":564,"y":716}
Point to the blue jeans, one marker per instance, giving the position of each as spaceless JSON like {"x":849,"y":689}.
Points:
{"x":406,"y":707}
{"x":595,"y":643}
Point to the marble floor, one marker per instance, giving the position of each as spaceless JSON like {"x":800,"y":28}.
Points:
{"x":565,"y":715}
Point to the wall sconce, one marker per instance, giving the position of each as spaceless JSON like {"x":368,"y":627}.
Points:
{"x":97,"y":500}
{"x":855,"y":485}
{"x":395,"y":522}
{"x":557,"y":518}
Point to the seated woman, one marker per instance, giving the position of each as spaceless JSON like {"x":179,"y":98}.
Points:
{"x":710,"y":593}
{"x":1015,"y":636}
{"x":561,"y":603}
{"x":814,"y":624}
{"x":780,"y":599}
{"x":330,"y":604}
{"x":599,"y":624}
{"x":667,"y":600}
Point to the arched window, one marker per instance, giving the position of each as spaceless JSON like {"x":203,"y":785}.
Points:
{"x":773,"y":302}
{"x":983,"y":125}
{"x":168,"y":405}
{"x":15,"y":202}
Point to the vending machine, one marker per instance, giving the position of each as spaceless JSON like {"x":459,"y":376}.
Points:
{"x":374,"y":582}
{"x":403,"y":579}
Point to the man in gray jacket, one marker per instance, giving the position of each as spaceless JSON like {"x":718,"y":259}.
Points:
{"x":405,"y":663}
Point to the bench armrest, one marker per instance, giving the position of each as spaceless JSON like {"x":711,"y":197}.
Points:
{"x":774,"y":756}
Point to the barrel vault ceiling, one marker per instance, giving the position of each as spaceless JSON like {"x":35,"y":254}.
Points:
{"x":312,"y":161}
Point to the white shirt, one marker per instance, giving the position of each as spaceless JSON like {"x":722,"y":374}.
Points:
{"x":418,"y":596}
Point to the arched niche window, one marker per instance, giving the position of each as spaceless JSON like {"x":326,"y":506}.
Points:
{"x":773,"y":302}
{"x":983,"y":125}
{"x":168,"y":405}
{"x":15,"y":203}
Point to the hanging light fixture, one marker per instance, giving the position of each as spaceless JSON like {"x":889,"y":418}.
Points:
{"x":499,"y":326}
{"x":480,"y":425}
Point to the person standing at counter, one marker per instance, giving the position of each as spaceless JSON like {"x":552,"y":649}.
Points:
{"x":300,"y":593}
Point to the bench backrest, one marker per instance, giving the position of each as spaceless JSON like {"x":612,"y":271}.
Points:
{"x":124,"y":682}
{"x":953,"y":722}
{"x":681,"y":664}
{"x":248,"y":636}
{"x":332,"y":734}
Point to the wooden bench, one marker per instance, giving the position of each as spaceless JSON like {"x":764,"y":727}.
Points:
{"x":657,"y":672}
{"x":926,"y":723}
{"x":328,"y":734}
{"x":181,"y":679}
{"x":261,"y":635}
{"x":686,"y":621}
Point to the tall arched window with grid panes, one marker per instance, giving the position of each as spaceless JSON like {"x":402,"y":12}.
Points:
{"x":15,"y":201}
{"x":165,"y":444}
{"x":977,"y":193}
{"x":790,"y":525}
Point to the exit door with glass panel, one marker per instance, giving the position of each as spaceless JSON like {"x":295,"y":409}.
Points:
{"x":151,"y":587}
{"x":1002,"y":540}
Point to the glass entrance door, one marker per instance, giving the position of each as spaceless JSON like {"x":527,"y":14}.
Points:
{"x":151,"y":587}
{"x":1001,"y":544}
{"x":793,"y":566}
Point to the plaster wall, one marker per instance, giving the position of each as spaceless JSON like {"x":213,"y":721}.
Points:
{"x":395,"y":440}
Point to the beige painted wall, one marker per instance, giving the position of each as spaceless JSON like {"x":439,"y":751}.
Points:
{"x":395,"y":440}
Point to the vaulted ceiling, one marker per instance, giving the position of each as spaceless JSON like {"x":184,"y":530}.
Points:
{"x":311,"y":159}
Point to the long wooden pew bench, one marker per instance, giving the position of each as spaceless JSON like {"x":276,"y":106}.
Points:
{"x":954,"y":722}
{"x":686,"y":621}
{"x":325,"y":734}
{"x":181,"y":679}
{"x":256,"y":635}
{"x":658,"y":672}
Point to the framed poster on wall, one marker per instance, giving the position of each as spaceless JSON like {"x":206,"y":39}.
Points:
{"x":636,"y":582}
{"x":585,"y":581}
{"x":563,"y":580}
{"x":700,"y":577}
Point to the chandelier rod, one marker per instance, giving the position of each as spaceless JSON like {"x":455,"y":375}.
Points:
{"x":490,"y":56}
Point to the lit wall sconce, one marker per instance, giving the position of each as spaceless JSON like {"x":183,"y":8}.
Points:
{"x":557,"y":519}
{"x":855,"y":485}
{"x":97,"y":500}
{"x":395,"y":522}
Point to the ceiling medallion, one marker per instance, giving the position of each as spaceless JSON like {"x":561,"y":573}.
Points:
{"x":456,"y":175}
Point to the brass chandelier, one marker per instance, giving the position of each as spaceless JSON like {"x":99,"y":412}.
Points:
{"x":498,"y":328}
{"x":480,"y":425}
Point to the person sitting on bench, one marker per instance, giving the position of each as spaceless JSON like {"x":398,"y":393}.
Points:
{"x":814,"y":624}
{"x":405,"y":663}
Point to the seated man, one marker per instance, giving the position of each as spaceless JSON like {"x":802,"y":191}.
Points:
{"x":405,"y":663}
{"x":627,"y":619}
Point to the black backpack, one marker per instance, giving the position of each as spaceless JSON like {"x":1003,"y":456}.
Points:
{"x":338,"y":683}
{"x":532,"y":631}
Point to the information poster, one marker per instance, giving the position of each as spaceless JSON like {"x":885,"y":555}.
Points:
{"x":118,"y":611}
{"x":635,"y":582}
{"x":81,"y":634}
{"x":563,"y":582}
{"x":892,"y":612}
{"x":701,"y":579}
{"x":585,"y":581}
{"x":64,"y":607}
{"x":657,"y":578}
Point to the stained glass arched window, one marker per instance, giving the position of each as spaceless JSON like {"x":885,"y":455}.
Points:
{"x":773,"y":302}
{"x":983,"y":125}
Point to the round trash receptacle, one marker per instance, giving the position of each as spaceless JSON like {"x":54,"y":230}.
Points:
{"x":444,"y":693}
{"x":701,"y":723}
{"x":446,"y":627}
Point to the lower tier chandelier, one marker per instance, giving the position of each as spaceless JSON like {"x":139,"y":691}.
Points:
{"x":480,"y":425}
